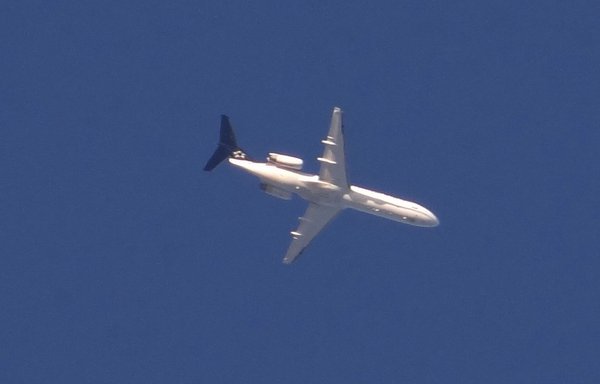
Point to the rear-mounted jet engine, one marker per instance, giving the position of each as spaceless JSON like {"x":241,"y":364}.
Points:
{"x":285,"y":161}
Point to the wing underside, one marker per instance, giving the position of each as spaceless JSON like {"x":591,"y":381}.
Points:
{"x":333,"y":161}
{"x":333,"y":170}
{"x":314,"y":220}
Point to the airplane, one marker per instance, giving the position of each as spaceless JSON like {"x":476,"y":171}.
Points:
{"x":327,"y":193}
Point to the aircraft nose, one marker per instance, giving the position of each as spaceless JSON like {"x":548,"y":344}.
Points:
{"x":433,"y":220}
{"x":430,"y":220}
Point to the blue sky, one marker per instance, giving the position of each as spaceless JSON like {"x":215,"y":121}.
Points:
{"x":122,"y":261}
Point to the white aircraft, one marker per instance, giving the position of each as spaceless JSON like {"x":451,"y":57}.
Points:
{"x":327,"y":193}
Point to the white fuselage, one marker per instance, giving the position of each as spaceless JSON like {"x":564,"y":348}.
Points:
{"x":312,"y":189}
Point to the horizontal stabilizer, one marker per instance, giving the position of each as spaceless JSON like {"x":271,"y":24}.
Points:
{"x":227,"y":146}
{"x":219,"y":155}
{"x":226,"y":136}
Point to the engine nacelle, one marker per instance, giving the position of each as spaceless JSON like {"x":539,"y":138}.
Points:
{"x":276,"y":192}
{"x":285,"y":161}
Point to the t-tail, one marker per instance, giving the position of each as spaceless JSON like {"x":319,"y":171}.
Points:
{"x":227,"y":146}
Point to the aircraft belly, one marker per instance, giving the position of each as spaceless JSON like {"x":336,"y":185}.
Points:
{"x":271,"y":175}
{"x":320,"y":193}
{"x":378,"y":207}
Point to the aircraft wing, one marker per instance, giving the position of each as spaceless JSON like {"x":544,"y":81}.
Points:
{"x":314,"y":220}
{"x":333,"y":162}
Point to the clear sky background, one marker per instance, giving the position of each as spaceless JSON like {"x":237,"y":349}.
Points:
{"x":121,"y":261}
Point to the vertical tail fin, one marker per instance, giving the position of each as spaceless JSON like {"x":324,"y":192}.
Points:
{"x":227,"y":145}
